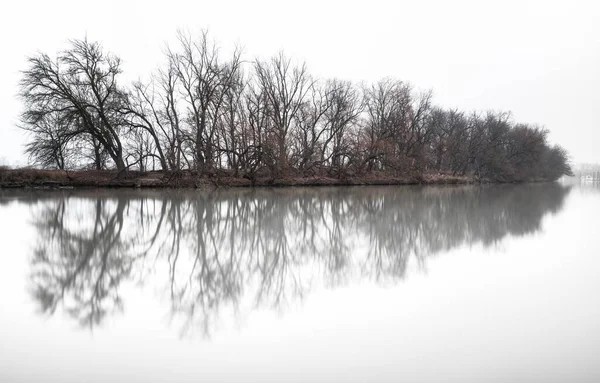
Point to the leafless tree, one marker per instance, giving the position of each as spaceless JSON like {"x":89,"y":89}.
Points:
{"x":81,"y":85}
{"x":307,"y":142}
{"x":233,"y":123}
{"x":342,"y":113}
{"x":386,"y":126}
{"x":204,"y":81}
{"x":49,"y":145}
{"x":285,"y":88}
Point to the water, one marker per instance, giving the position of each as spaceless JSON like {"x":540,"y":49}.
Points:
{"x":462,"y":284}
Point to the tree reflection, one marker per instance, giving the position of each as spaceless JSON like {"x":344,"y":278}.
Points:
{"x":226,"y":252}
{"x":84,"y":253}
{"x":81,"y":262}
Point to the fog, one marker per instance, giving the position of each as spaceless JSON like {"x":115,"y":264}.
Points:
{"x":537,"y":59}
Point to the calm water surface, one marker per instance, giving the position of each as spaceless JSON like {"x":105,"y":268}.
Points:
{"x":459,"y":284}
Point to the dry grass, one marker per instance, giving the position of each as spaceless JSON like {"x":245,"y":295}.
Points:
{"x":31,"y":177}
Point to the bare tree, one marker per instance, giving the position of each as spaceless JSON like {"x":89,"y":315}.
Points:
{"x":260,"y":148}
{"x":205,"y":81}
{"x":386,"y":127}
{"x":285,"y":88}
{"x":233,"y":123}
{"x":49,"y":144}
{"x":310,"y":128}
{"x":144,"y":119}
{"x":81,"y":85}
{"x":341,"y":115}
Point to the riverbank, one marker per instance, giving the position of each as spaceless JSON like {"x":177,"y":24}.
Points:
{"x":57,"y":179}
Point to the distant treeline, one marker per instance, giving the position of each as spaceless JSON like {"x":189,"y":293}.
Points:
{"x":212,"y":115}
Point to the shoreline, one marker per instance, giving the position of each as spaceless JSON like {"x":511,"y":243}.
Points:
{"x":30,"y":178}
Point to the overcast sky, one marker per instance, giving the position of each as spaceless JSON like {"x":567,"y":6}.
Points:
{"x":538,"y":59}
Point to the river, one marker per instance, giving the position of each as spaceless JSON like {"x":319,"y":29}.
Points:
{"x":490,"y":283}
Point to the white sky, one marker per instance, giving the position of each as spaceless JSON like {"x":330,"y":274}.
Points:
{"x":538,"y":59}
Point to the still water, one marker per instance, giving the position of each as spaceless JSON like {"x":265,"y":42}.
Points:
{"x":460,"y":284}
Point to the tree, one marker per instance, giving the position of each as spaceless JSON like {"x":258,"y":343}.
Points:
{"x":48,"y":146}
{"x":341,"y":115}
{"x":205,"y":81}
{"x":285,"y":88}
{"x":233,"y":124}
{"x":80,"y":86}
{"x":142,"y":116}
{"x":310,"y":128}
{"x":386,"y":129}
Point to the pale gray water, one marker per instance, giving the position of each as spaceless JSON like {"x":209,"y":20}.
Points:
{"x":453,"y":284}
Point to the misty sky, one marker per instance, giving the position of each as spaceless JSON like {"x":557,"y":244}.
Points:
{"x":538,"y":59}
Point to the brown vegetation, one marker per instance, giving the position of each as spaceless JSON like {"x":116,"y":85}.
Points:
{"x":55,"y":179}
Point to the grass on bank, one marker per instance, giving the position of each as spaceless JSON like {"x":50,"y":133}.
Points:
{"x":42,"y":178}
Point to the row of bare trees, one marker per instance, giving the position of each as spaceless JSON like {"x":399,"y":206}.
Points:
{"x":208,"y":114}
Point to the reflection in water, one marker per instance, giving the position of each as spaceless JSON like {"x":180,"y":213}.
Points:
{"x":585,"y":186}
{"x":230,"y":251}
